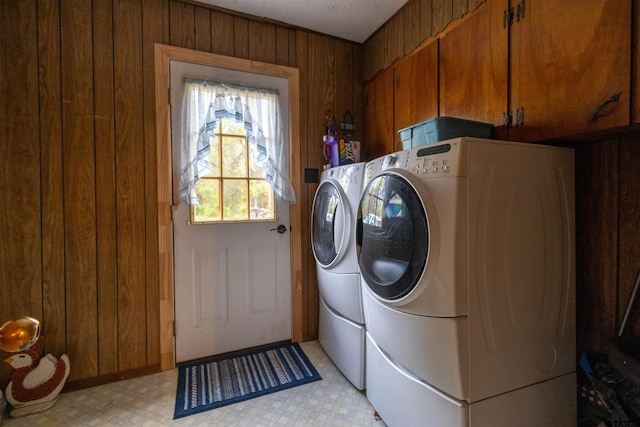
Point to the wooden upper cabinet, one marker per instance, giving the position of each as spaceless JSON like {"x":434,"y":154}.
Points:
{"x":568,"y":58}
{"x":378,"y":113}
{"x":474,"y":67}
{"x":415,"y":89}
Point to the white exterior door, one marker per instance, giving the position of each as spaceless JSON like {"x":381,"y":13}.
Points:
{"x":232,"y":281}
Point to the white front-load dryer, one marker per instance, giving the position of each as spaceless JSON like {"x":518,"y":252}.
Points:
{"x":467,"y":263}
{"x":341,"y":330}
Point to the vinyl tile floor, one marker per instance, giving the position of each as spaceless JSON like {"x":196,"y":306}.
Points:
{"x":149,"y":401}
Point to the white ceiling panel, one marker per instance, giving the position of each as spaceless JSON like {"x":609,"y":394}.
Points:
{"x":353,"y":20}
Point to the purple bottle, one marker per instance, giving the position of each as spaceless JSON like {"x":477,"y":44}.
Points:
{"x":334,"y":150}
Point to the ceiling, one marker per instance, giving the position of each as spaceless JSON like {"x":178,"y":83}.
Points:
{"x":353,"y":20}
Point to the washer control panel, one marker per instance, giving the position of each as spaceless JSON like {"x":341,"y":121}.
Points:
{"x":438,"y":160}
{"x":399,"y":160}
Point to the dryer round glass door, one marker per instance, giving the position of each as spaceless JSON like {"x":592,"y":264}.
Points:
{"x":330,"y":224}
{"x":393,"y":236}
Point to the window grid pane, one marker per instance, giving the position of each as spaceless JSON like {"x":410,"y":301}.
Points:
{"x":235,"y":195}
{"x":234,"y":157}
{"x":234,"y":191}
{"x":208,"y":191}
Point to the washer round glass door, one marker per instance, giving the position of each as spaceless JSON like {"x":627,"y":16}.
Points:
{"x":330,"y":224}
{"x":393,"y":236}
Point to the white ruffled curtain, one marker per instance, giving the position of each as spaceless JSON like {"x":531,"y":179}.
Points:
{"x":205,"y":103}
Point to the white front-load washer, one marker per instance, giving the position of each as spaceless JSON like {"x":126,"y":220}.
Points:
{"x":467,"y":257}
{"x":341,"y":329}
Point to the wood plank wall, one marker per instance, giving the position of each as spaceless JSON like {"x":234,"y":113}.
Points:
{"x":607,"y":238}
{"x":78,"y":189}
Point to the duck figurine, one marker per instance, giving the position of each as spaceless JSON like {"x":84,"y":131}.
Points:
{"x":35,"y":383}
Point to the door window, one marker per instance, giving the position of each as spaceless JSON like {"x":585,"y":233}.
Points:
{"x":393,"y":236}
{"x":235,"y":189}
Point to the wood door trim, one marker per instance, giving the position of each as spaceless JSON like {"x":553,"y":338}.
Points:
{"x":162,"y":55}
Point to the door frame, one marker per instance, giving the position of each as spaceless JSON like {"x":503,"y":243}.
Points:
{"x":163,"y":54}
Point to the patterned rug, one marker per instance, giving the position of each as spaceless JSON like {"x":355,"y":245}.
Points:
{"x":209,"y":384}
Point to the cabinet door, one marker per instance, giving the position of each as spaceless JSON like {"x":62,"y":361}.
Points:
{"x":378,"y":116}
{"x":474,"y":67}
{"x":415,"y":89}
{"x":567,"y":59}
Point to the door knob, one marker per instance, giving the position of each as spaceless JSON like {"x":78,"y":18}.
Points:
{"x":281,"y":229}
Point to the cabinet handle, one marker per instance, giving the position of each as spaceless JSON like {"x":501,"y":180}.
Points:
{"x":507,"y":17}
{"x":520,"y":116}
{"x":506,"y":118}
{"x":596,"y":114}
{"x":520,"y":13}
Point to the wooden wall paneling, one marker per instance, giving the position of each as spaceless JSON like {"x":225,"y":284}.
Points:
{"x":321,"y":97}
{"x":240,"y":37}
{"x":597,"y":192}
{"x":426,"y":19}
{"x":442,"y":14}
{"x":378,"y":51}
{"x":629,"y":244}
{"x":181,"y":24}
{"x":460,"y":8}
{"x":473,"y":4}
{"x":343,"y":85}
{"x":202,"y":29}
{"x":356,"y":82}
{"x":411,"y":26}
{"x":20,"y":151}
{"x":155,"y":28}
{"x":394,"y":30}
{"x":282,"y":45}
{"x":305,"y":198}
{"x":374,"y":55}
{"x":221,"y":33}
{"x":20,"y":245}
{"x":107,"y":281}
{"x":130,"y":185}
{"x":293,"y":48}
{"x":262,"y":42}
{"x":79,"y":186}
{"x":322,"y":92}
{"x":367,"y":67}
{"x":385,"y":47}
{"x":53,"y":275}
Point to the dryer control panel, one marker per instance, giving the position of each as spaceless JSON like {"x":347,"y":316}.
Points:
{"x":439,"y":160}
{"x":347,"y":175}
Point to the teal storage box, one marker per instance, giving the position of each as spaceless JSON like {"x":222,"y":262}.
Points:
{"x":442,"y":128}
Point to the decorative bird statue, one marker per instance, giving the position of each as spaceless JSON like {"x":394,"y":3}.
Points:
{"x":35,"y":388}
